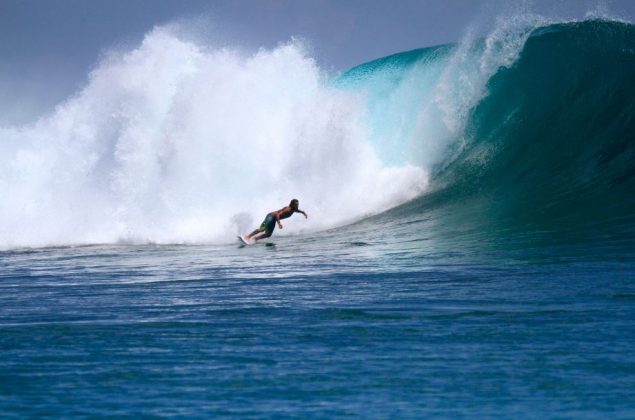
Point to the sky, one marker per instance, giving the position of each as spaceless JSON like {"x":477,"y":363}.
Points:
{"x":48,"y":47}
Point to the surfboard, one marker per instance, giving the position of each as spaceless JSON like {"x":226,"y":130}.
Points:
{"x":244,"y":241}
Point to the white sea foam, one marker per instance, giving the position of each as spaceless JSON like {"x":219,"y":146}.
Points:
{"x":173,"y":142}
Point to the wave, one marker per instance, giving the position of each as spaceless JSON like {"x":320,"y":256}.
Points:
{"x":176,"y":142}
{"x":551,"y":147}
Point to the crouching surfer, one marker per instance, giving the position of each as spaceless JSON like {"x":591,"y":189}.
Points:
{"x":269,"y":224}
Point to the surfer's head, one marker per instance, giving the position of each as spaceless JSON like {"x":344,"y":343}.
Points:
{"x":294,"y":204}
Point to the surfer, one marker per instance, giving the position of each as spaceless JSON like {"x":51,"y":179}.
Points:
{"x":269,"y":224}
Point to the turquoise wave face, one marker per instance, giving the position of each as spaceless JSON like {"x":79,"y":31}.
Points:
{"x":558,"y":129}
{"x":397,"y":90}
{"x":550,"y":145}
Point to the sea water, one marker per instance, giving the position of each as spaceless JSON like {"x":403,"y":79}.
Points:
{"x":332,"y":325}
{"x":469,"y":250}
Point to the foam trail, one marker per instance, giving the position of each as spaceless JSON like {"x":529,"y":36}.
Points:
{"x":172,"y":142}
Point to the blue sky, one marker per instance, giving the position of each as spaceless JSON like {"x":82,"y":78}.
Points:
{"x":47,"y":47}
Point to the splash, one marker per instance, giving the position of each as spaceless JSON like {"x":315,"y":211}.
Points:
{"x":174,"y":142}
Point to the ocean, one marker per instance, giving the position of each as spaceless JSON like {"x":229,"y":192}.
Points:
{"x":469,"y":251}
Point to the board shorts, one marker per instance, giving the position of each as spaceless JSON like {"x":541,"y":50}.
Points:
{"x":268,"y":225}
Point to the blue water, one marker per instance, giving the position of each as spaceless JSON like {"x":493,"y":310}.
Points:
{"x":322,"y":326}
{"x":506,"y":290}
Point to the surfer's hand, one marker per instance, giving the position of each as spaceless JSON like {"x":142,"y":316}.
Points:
{"x":306,"y":216}
{"x":280,"y":225}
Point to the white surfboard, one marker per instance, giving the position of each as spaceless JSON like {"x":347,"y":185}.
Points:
{"x":244,"y":241}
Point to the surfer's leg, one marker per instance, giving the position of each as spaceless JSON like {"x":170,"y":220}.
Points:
{"x":265,"y":226}
{"x":255,"y":232}
{"x":263,"y":236}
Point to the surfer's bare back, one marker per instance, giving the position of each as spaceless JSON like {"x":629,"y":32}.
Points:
{"x":269,"y":224}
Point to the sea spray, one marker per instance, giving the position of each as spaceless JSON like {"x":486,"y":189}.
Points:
{"x":170,"y":141}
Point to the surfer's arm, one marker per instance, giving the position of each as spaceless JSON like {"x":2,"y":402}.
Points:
{"x":300,"y":211}
{"x":277,"y":216}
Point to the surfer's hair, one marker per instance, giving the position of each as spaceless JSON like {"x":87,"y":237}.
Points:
{"x":294,"y":203}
